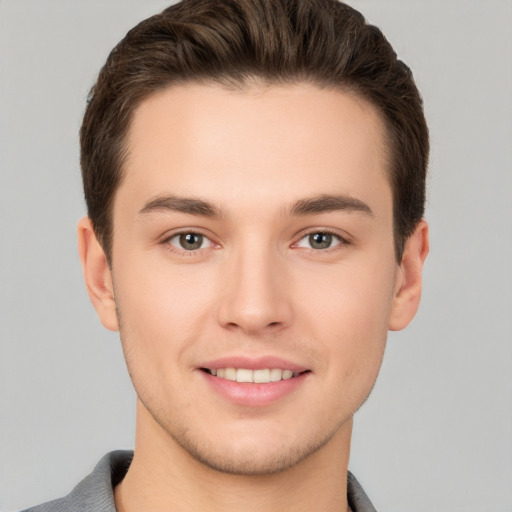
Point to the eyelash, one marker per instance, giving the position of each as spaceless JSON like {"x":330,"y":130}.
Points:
{"x":342,"y":241}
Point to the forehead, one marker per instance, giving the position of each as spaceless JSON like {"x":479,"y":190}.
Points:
{"x":254,"y":144}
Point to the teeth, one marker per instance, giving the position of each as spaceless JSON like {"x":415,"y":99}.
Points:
{"x":243,"y":375}
{"x":276,"y":375}
{"x":230,"y":373}
{"x":287,"y":374}
{"x":263,"y":376}
{"x":260,"y":376}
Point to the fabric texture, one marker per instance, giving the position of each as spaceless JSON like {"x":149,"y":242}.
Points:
{"x":95,"y":492}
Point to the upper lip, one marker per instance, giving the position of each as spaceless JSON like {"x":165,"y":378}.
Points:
{"x":258,"y":363}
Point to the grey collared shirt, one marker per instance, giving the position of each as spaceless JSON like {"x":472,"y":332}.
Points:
{"x":95,"y":492}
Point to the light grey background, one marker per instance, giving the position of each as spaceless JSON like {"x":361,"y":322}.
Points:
{"x":436,"y":433}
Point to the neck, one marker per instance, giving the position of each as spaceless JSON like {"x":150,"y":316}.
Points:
{"x":163,"y":476}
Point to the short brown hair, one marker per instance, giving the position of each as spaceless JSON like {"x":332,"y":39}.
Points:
{"x":231,"y":42}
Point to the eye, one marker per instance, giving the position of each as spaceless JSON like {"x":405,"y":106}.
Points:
{"x":319,"y":240}
{"x":189,"y":241}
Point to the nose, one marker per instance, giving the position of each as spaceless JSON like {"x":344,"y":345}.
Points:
{"x":256,"y":292}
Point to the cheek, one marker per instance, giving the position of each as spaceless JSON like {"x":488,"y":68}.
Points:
{"x":357,"y":295}
{"x":161,"y":312}
{"x":348,"y":312}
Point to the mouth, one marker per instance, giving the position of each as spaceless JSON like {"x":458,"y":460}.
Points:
{"x":259,"y":376}
{"x":254,"y":382}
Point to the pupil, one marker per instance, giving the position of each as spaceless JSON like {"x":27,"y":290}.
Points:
{"x":320,"y":240}
{"x":191,"y":241}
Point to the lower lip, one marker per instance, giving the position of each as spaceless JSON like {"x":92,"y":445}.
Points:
{"x":251,"y":394}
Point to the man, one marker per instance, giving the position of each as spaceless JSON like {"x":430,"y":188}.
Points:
{"x":254,"y":172}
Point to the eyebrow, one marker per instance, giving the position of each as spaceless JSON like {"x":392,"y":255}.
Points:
{"x":329,"y":203}
{"x":309,"y":206}
{"x":192,"y":206}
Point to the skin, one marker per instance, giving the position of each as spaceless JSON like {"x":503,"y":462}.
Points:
{"x":256,"y":287}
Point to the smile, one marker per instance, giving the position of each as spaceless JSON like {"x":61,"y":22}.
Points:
{"x":260,"y":376}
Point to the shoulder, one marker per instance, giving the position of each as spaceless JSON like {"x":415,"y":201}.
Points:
{"x":58,"y":505}
{"x":95,"y":492}
{"x":357,"y":498}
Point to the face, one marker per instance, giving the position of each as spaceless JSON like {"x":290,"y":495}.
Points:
{"x":253,"y":269}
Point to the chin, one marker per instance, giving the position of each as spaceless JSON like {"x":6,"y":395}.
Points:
{"x":250,"y":457}
{"x":250,"y":461}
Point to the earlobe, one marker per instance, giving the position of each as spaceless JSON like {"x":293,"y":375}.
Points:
{"x":97,"y":274}
{"x":409,"y":279}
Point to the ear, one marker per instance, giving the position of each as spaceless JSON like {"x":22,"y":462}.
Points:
{"x":97,"y":274}
{"x":407,"y":293}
